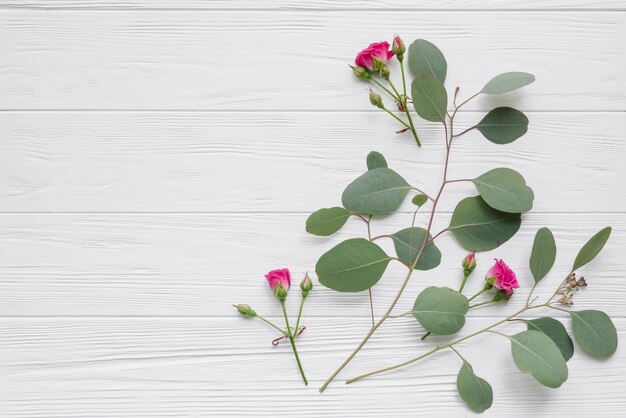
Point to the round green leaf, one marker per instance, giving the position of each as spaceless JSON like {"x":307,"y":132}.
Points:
{"x":327,"y":221}
{"x":535,"y":353}
{"x":419,"y":200}
{"x":479,"y":227}
{"x":592,"y":248}
{"x":408,"y":243}
{"x":543,"y":254}
{"x":376,"y":160}
{"x":440,"y":310}
{"x":377,"y":192}
{"x":505,"y":189}
{"x":594,"y":332}
{"x":507,"y":82}
{"x":352,"y":266}
{"x":426,"y":58}
{"x":429,"y":98}
{"x":503,"y":125}
{"x":556,"y":332}
{"x":475,"y":391}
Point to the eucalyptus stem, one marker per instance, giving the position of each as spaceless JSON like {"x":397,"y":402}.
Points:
{"x":402,"y":100}
{"x":293,"y":342}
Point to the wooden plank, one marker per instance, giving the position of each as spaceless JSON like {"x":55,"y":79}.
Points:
{"x":164,"y":367}
{"x":200,"y":264}
{"x":216,"y":162}
{"x":204,"y":60}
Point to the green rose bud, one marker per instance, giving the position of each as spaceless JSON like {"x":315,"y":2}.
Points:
{"x":245,"y":310}
{"x":376,"y":100}
{"x":361,"y":72}
{"x":306,"y":285}
{"x":384,"y":72}
{"x":280,"y":292}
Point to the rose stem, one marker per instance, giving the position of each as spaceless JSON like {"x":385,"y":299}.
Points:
{"x":293,"y":343}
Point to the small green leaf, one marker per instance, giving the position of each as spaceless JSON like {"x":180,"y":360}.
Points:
{"x":426,"y":58}
{"x":440,"y":310}
{"x":419,"y":200}
{"x":543,"y":254}
{"x":429,"y":98}
{"x":377,"y":192}
{"x":507,"y":82}
{"x":594,"y":332}
{"x":479,"y":227}
{"x":503,"y":125}
{"x":408,"y":243}
{"x":327,"y":221}
{"x":557,"y":333}
{"x":475,"y":391}
{"x":376,"y":160}
{"x":505,"y":189}
{"x":352,"y":266}
{"x":592,"y":248}
{"x":535,"y":353}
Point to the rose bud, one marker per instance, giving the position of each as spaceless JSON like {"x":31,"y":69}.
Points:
{"x":398,"y":48}
{"x":379,"y":50}
{"x":245,"y":310}
{"x":469,"y":263}
{"x":384,"y":72}
{"x":306,"y":285}
{"x":361,"y":72}
{"x":280,"y":278}
{"x":376,"y":100}
{"x":502,"y":277}
{"x":501,"y":295}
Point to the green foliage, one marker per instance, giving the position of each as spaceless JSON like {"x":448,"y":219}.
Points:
{"x":543,"y":254}
{"x":440,"y":310}
{"x":377,"y":192}
{"x":408,"y":243}
{"x":352,"y":266}
{"x":430,"y":98}
{"x":376,"y":160}
{"x":556,"y":332}
{"x":479,"y":227}
{"x":592,"y":248}
{"x":503,"y":125}
{"x":426,"y":58}
{"x":475,"y":391}
{"x":594,"y":332}
{"x":326,"y":221}
{"x":505,"y":189}
{"x":535,"y":353}
{"x":507,"y":82}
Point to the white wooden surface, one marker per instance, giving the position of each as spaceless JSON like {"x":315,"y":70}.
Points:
{"x":157,"y":157}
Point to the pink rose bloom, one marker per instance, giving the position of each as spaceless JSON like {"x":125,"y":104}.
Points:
{"x":281,"y":276}
{"x":378,"y":50}
{"x":502,"y":277}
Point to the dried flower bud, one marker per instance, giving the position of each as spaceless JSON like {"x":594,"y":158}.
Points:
{"x":280,"y":292}
{"x":469,"y":263}
{"x":361,"y":72}
{"x":245,"y":310}
{"x":376,"y":100}
{"x":306,"y":285}
{"x":398,"y":47}
{"x":581,"y":282}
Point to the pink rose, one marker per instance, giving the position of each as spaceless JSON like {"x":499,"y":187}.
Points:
{"x":378,"y":50}
{"x":398,"y":47}
{"x":502,"y":277}
{"x":469,"y":262}
{"x":281,"y":276}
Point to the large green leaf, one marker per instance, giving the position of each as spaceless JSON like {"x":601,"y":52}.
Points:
{"x":440,"y":310}
{"x":429,"y":98}
{"x":408,"y":243}
{"x":426,"y":58}
{"x":535,"y":353}
{"x":326,"y":221}
{"x":592,"y":248}
{"x":479,"y":227}
{"x":543,"y":254}
{"x":475,"y":391}
{"x":377,"y":192}
{"x":376,"y":160}
{"x":505,"y":189}
{"x":507,"y":82}
{"x":594,"y":332}
{"x":503,"y":125}
{"x":557,"y":333}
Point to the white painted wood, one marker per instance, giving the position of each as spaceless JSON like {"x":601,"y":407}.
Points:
{"x":166,"y":367}
{"x":218,"y":162}
{"x":298,"y":60}
{"x":200,"y":264}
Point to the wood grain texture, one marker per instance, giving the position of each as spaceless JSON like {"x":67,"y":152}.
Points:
{"x":200,"y":264}
{"x":294,"y":60}
{"x":251,"y":161}
{"x":166,"y":367}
